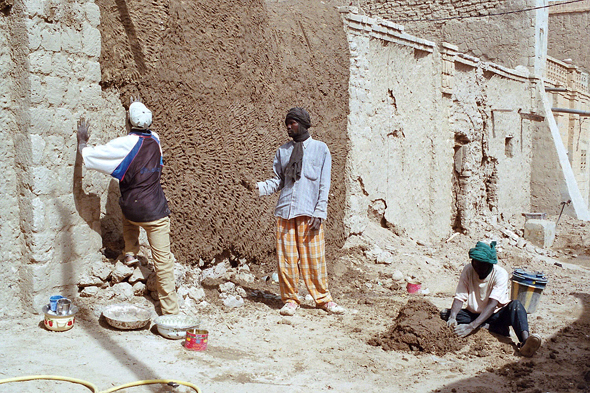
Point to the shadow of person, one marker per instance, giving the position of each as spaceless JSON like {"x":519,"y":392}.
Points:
{"x":561,"y":364}
{"x":111,"y":224}
{"x":87,"y":205}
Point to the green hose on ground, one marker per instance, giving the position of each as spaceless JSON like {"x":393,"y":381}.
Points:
{"x":94,"y":388}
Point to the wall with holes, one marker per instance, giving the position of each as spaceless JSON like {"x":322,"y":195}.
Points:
{"x":50,"y":74}
{"x":488,"y":29}
{"x":438,"y":138}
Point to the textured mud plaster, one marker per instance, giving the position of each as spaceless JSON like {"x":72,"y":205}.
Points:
{"x":400,"y":156}
{"x":507,"y":39}
{"x":567,"y":35}
{"x":219,"y":77}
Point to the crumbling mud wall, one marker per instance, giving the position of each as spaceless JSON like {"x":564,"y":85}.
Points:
{"x":219,"y":77}
{"x":568,"y":27}
{"x":487,"y":29}
{"x":431,"y":157}
{"x":51,"y":211}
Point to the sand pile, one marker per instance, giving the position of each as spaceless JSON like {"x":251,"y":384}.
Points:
{"x":418,"y":327}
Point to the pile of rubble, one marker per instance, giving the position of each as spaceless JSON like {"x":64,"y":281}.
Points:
{"x":120,"y":281}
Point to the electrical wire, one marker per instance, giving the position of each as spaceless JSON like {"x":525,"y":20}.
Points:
{"x":484,"y":16}
{"x":93,"y":387}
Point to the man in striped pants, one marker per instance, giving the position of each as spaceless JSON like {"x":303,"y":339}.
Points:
{"x":302,"y":173}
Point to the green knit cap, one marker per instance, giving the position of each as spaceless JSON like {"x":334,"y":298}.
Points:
{"x":484,"y":253}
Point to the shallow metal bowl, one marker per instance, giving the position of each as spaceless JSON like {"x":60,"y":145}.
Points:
{"x":126,"y":316}
{"x":175,"y":326}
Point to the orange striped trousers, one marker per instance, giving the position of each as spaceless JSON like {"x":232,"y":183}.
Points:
{"x":300,"y":249}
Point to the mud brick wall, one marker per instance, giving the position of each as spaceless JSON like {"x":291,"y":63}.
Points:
{"x":507,"y":39}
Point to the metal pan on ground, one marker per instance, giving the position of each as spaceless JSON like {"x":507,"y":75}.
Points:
{"x":126,"y":316}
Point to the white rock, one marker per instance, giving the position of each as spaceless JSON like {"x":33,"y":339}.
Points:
{"x":88,"y":281}
{"x":102,"y":271}
{"x":182,"y":291}
{"x":141,"y":273}
{"x":245,"y":276}
{"x":385,"y":258}
{"x":121,"y":272}
{"x":123,"y":291}
{"x":139,"y":289}
{"x":89,"y":292}
{"x":397,"y":275}
{"x":233,"y":301}
{"x":197,"y":294}
{"x":228,"y":287}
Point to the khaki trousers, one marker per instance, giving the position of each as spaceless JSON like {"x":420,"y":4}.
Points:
{"x":158,"y":234}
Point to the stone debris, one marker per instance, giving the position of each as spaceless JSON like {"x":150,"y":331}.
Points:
{"x":89,"y":291}
{"x":141,"y":273}
{"x":102,"y":271}
{"x":121,"y":272}
{"x":233,"y":301}
{"x":123,"y":291}
{"x":139,"y":289}
{"x":88,"y":281}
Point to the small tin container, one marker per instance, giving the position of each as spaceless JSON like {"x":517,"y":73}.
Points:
{"x":196,"y":339}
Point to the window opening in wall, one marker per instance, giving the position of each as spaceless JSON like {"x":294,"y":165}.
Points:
{"x":509,"y":146}
{"x":583,"y":160}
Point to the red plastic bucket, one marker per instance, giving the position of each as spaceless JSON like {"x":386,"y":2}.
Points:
{"x":196,"y":339}
{"x":413,"y":287}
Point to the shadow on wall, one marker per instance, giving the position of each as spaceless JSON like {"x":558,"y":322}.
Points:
{"x":111,"y":226}
{"x":87,"y":205}
{"x":561,"y":364}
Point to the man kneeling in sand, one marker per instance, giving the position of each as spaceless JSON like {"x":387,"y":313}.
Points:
{"x":484,"y":286}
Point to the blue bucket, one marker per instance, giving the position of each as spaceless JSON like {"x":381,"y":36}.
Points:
{"x":527,"y":288}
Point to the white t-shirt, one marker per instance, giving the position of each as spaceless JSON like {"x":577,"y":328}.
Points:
{"x":477,"y":292}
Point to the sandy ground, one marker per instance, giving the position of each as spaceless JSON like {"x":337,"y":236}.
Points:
{"x":253,"y":348}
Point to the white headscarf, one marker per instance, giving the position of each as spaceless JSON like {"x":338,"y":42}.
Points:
{"x":140,"y":116}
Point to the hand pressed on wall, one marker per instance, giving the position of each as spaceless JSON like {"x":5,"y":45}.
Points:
{"x":82,"y":133}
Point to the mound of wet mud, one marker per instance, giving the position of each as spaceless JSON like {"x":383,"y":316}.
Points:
{"x":418,"y":327}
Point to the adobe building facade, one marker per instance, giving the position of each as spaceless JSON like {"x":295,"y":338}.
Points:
{"x":438,"y":137}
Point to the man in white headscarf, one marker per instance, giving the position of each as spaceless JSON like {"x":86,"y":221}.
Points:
{"x":136,"y":161}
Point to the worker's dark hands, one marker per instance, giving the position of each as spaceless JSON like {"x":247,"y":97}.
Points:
{"x":451,"y":322}
{"x":248,"y":182}
{"x":83,"y":134}
{"x":315,"y":223}
{"x":464,"y":330}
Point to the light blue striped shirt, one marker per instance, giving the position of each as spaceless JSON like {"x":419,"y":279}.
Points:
{"x":308,"y":196}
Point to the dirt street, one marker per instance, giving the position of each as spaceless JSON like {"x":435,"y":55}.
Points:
{"x":252,"y":348}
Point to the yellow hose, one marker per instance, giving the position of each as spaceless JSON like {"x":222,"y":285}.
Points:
{"x":94,"y":388}
{"x":51,"y":377}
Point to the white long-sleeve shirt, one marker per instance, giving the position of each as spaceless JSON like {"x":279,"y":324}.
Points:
{"x":308,"y":196}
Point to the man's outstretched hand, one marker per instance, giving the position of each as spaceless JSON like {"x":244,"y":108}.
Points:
{"x":248,"y":182}
{"x":83,"y":135}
